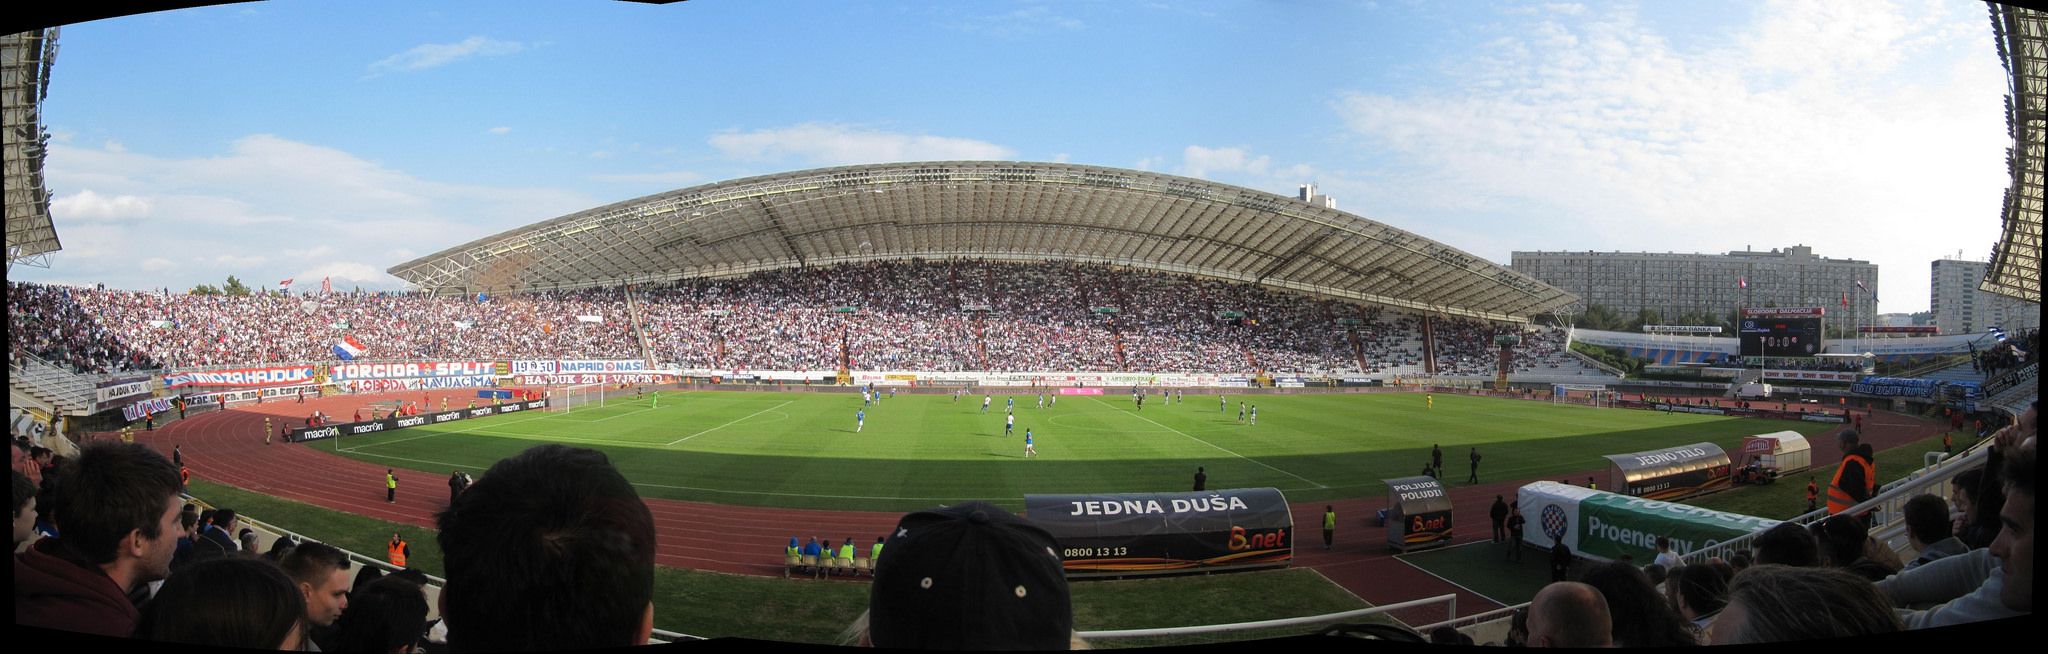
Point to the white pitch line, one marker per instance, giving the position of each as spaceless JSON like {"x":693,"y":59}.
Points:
{"x":622,"y":415}
{"x":750,"y":415}
{"x":1225,"y":449}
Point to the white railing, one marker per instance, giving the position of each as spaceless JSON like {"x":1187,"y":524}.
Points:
{"x":1450,"y":603}
{"x":1888,"y":503}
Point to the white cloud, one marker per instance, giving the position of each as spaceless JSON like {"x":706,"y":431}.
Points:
{"x":265,"y":207}
{"x":1238,"y":166}
{"x":669,"y":178}
{"x":89,"y":206}
{"x":500,"y":130}
{"x":824,"y":144}
{"x":431,"y":55}
{"x":1609,"y":138}
{"x":352,"y":272}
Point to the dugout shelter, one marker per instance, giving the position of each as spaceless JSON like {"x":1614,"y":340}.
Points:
{"x":1127,"y":534}
{"x":1669,"y":473}
{"x":1418,"y":513}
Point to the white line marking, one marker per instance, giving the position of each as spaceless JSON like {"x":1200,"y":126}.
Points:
{"x":622,"y":415}
{"x":750,"y":415}
{"x":1402,"y":558}
{"x":1225,"y":450}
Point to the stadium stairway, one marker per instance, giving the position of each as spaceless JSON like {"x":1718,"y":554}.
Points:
{"x":1963,"y":372}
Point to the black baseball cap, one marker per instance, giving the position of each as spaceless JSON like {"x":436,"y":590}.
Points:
{"x":970,"y":576}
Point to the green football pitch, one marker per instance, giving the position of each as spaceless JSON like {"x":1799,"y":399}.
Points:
{"x":802,"y":450}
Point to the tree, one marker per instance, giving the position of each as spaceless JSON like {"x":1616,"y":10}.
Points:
{"x":1646,"y":317}
{"x":234,"y":287}
{"x":1598,"y":316}
{"x":205,"y":289}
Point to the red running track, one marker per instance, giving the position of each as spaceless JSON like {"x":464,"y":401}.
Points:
{"x":227,"y":447}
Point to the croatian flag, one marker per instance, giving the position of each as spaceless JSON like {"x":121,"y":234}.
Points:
{"x":1742,"y":282}
{"x":287,"y":282}
{"x":348,"y":349}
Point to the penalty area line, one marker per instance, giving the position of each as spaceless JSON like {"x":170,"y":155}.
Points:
{"x":750,"y":415}
{"x":1204,"y":442}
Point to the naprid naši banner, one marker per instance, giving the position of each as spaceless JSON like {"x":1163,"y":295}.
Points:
{"x":1137,"y":533}
{"x":1605,"y":526}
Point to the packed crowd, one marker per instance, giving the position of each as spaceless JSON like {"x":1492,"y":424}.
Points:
{"x":46,"y":322}
{"x":905,"y":315}
{"x":1466,"y":347}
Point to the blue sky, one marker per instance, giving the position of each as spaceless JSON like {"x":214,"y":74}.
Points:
{"x":311,"y":139}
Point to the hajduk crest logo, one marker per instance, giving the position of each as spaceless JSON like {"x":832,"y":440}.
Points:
{"x":1555,"y":522}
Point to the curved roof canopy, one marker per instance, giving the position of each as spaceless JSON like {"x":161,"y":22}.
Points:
{"x":2022,"y":36}
{"x":994,"y":210}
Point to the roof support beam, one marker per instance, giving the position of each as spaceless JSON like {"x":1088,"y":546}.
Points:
{"x":775,"y":223}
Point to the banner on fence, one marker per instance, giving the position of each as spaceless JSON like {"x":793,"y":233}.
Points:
{"x":418,"y":384}
{"x":401,"y":422}
{"x":348,"y":371}
{"x":241,"y":377}
{"x":568,"y":380}
{"x":229,"y":397}
{"x":1605,"y":526}
{"x":604,"y":366}
{"x":1158,"y":533}
{"x":114,"y":391}
{"x":140,"y":410}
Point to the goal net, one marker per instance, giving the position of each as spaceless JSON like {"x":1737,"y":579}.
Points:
{"x":1581,"y":394}
{"x":582,"y":397}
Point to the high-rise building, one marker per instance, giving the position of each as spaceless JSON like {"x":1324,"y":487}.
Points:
{"x":1675,"y":285}
{"x":1309,"y":195}
{"x":1961,"y":308}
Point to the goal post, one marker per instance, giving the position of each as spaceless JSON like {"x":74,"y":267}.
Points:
{"x":583,"y":396}
{"x":1581,"y":394}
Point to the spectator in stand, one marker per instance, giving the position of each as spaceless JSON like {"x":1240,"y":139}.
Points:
{"x":321,"y":574}
{"x":1639,"y":617}
{"x":1569,"y":614}
{"x":1699,"y":592}
{"x":582,"y":540}
{"x":1846,"y":544}
{"x":235,"y":602}
{"x":364,"y":576}
{"x":248,"y":542}
{"x":389,"y":616}
{"x":969,"y":577}
{"x":1776,"y":603}
{"x":24,"y":510}
{"x":1666,"y":557}
{"x":215,"y":540}
{"x":120,"y":512}
{"x":1927,"y":530}
{"x":1787,"y":544}
{"x":1983,"y":584}
{"x":1740,"y":560}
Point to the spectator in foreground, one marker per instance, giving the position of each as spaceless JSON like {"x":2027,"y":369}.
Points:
{"x":1787,"y":544}
{"x":1927,"y":530}
{"x":243,"y":602}
{"x":969,"y":577}
{"x":582,"y":540}
{"x":216,"y":540}
{"x":24,"y":509}
{"x":1638,"y":616}
{"x":388,"y":617}
{"x":1846,"y":544}
{"x":1569,"y":614}
{"x":321,"y":574}
{"x":1777,"y":603}
{"x":1983,"y":584}
{"x":120,"y":530}
{"x":1699,"y":592}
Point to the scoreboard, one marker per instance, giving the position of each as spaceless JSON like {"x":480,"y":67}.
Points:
{"x":1782,"y":332}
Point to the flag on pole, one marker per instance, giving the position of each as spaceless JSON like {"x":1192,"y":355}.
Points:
{"x":1845,"y":299}
{"x":1866,"y":289}
{"x":326,"y":285}
{"x":286,"y":283}
{"x":348,"y":349}
{"x":1742,"y":282}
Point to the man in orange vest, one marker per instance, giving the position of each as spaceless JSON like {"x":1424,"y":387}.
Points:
{"x":1856,"y":479}
{"x":397,"y":550}
{"x":184,"y":477}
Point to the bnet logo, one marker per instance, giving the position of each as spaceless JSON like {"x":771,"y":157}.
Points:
{"x":1555,"y":523}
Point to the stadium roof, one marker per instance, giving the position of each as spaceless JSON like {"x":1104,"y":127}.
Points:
{"x":994,"y":210}
{"x":2022,"y":36}
{"x":25,"y":59}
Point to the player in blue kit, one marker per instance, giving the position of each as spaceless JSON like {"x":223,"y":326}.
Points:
{"x":1029,"y":451}
{"x":860,"y":420}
